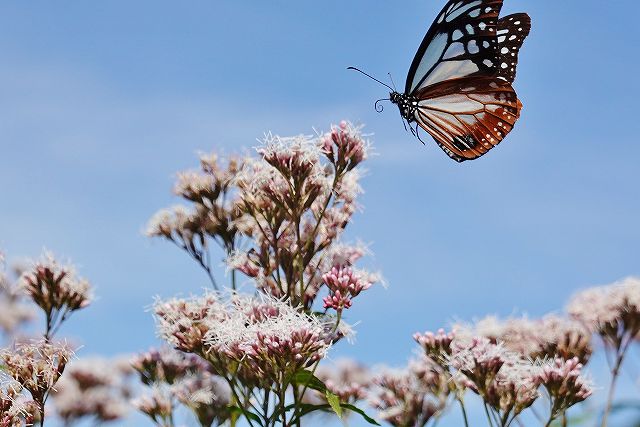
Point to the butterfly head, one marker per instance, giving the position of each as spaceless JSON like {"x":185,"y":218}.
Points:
{"x":407,"y":105}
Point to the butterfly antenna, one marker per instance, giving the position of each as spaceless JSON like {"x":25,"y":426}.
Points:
{"x":379,"y":107}
{"x":371,"y":77}
{"x":392,"y":83}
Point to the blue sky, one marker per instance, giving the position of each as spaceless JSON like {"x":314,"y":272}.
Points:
{"x":101,"y":104}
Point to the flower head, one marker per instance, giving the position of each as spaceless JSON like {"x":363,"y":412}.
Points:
{"x":268,"y":334}
{"x":506,"y":382}
{"x":345,"y":378}
{"x":206,"y":395}
{"x":93,"y":388}
{"x":344,"y":284}
{"x":344,"y":146}
{"x":37,"y":366}
{"x":56,"y":289}
{"x":564,"y":383}
{"x":611,"y":311}
{"x":412,"y":396}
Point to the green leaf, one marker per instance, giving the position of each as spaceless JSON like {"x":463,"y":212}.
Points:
{"x":359,"y":411}
{"x":306,"y":378}
{"x":237,"y":411}
{"x":334,"y":402}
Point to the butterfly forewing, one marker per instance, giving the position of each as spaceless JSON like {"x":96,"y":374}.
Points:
{"x":461,"y":43}
{"x":512,"y":30}
{"x":468,"y":117}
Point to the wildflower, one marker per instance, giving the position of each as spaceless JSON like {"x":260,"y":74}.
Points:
{"x":294,"y":157}
{"x":269,"y":335}
{"x":156,"y":405}
{"x":197,"y":187}
{"x":565,"y":384}
{"x":564,"y":338}
{"x":242,"y":261}
{"x":182,"y":321}
{"x":206,"y":395}
{"x":436,"y":346}
{"x":409,"y":397}
{"x":344,"y":284}
{"x":549,"y":337}
{"x":13,"y":311}
{"x":345,"y":378}
{"x":503,"y":379}
{"x":56,"y":289}
{"x":36,"y":366}
{"x":166,"y":366}
{"x":93,"y":388}
{"x":612,"y":311}
{"x":15,"y":409}
{"x":344,"y":146}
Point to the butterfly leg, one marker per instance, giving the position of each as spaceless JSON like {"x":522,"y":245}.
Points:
{"x":416,"y":133}
{"x":404,"y":123}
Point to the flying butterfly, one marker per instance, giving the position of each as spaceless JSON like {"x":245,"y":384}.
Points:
{"x":459,"y":87}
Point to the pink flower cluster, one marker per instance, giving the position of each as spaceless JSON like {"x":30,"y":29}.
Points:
{"x":344,"y":146}
{"x":410,"y":397}
{"x":437,"y":345}
{"x":93,"y":389}
{"x":56,"y":289}
{"x":564,"y":383}
{"x":344,"y":284}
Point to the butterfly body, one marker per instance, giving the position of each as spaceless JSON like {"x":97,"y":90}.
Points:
{"x":408,"y":105}
{"x":459,"y":86}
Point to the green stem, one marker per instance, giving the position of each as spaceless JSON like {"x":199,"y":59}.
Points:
{"x":621,"y":351}
{"x":464,"y":412}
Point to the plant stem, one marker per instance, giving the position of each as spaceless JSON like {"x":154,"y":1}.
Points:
{"x":486,"y":411}
{"x":621,"y":351}
{"x":464,"y":412}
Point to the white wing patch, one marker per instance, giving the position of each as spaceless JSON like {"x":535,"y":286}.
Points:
{"x":431,"y":56}
{"x":450,"y":70}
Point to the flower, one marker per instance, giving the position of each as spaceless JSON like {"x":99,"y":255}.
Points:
{"x":344,"y":284}
{"x":345,"y":378}
{"x":166,"y":366}
{"x":412,"y":396}
{"x":181,"y":322}
{"x":564,"y":383}
{"x":564,"y":338}
{"x":37,"y":366}
{"x":268,"y":335}
{"x":13,"y":311}
{"x":156,"y":405}
{"x":15,"y":409}
{"x":206,"y":395}
{"x":56,"y":289}
{"x":549,"y":337}
{"x":436,"y":346}
{"x":506,"y":382}
{"x":93,"y":388}
{"x":611,"y":311}
{"x":344,"y":146}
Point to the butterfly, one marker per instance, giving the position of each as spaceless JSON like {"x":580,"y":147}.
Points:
{"x":459,"y":86}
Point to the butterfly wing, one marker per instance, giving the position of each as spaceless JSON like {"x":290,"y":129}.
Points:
{"x":468,"y":117}
{"x":460,"y":43}
{"x":512,"y":30}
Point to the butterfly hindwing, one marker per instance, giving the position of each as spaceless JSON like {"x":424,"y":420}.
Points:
{"x":460,"y":43}
{"x":468,"y":117}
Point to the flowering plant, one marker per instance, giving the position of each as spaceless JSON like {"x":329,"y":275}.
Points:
{"x":278,"y":220}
